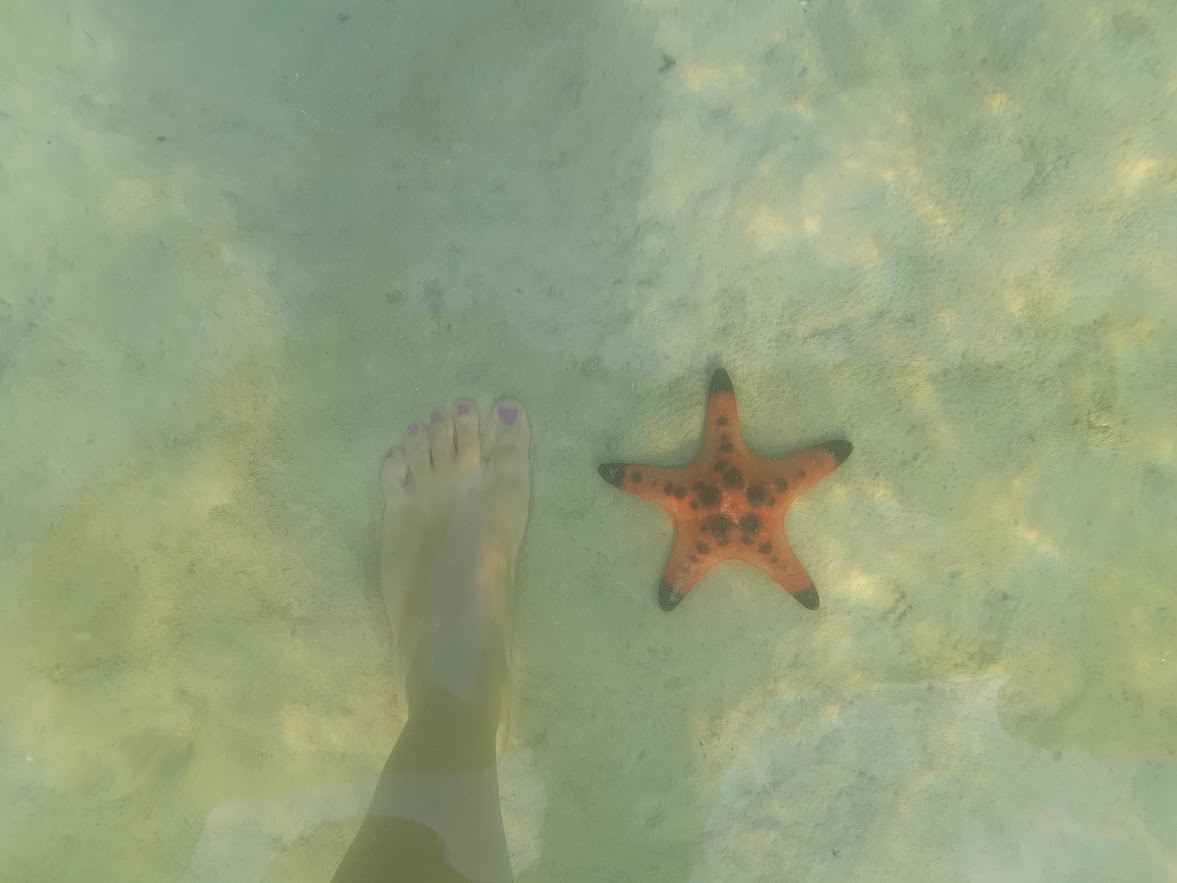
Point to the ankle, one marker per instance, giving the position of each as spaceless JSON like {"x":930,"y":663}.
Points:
{"x":469,"y":661}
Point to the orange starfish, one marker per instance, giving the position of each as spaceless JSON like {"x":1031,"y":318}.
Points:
{"x":730,"y":502}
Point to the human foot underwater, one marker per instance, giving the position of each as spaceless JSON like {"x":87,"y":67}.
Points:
{"x":456,"y":495}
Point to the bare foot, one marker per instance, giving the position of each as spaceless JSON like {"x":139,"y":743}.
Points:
{"x":456,"y":498}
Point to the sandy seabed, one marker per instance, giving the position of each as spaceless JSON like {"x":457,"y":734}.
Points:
{"x":243,"y":244}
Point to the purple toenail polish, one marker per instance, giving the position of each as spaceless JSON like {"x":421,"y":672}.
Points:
{"x":435,"y":416}
{"x":414,"y":429}
{"x":508,"y":415}
{"x":463,"y":407}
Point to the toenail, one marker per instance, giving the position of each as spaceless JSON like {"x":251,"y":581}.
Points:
{"x":435,"y":416}
{"x":463,"y":407}
{"x":508,"y":415}
{"x":414,"y":429}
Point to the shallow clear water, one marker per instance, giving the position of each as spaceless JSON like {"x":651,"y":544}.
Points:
{"x":244,"y":244}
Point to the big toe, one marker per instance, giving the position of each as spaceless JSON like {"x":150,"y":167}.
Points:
{"x":510,"y":436}
{"x":509,"y":456}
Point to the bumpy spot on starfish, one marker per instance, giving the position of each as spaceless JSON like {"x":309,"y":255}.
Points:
{"x":708,"y":495}
{"x":719,"y":527}
{"x":756,"y":494}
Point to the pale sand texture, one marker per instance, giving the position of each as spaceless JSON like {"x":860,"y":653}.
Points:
{"x":243,"y":244}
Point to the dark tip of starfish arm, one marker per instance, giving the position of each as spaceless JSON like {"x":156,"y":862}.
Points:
{"x":614,"y":473}
{"x":808,"y":598}
{"x":668,"y":597}
{"x":840,"y":449}
{"x":720,"y":382}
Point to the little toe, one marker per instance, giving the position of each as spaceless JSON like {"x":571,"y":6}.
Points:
{"x":416,"y":451}
{"x":467,"y":444}
{"x":394,"y":475}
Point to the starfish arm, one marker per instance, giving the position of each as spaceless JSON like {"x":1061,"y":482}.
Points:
{"x":721,"y":433}
{"x":666,"y":486}
{"x":783,"y":567}
{"x":684,"y":568}
{"x":794,"y":475}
